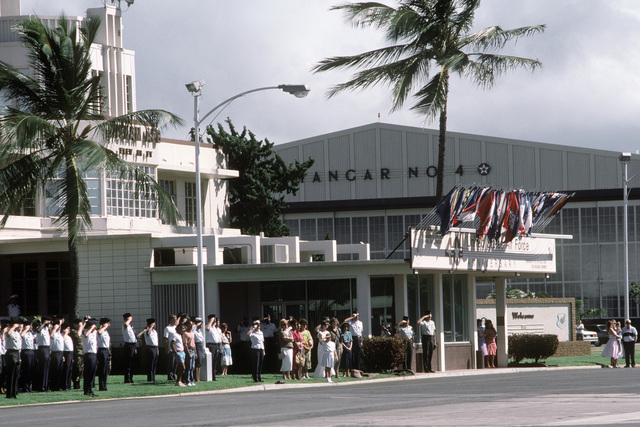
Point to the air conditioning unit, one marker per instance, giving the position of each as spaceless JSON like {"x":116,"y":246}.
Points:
{"x":235,"y":255}
{"x":274,"y":253}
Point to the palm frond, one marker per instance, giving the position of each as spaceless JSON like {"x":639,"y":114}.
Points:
{"x":19,"y":181}
{"x":432,"y":98}
{"x":495,"y":38}
{"x":129,"y":126}
{"x":485,"y":67}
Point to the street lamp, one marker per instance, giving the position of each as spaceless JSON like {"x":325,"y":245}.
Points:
{"x":195,"y":87}
{"x":624,"y":159}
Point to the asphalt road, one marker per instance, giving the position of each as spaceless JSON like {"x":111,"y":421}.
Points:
{"x":551,"y":396}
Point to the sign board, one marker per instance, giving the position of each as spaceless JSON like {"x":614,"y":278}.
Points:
{"x":461,"y":251}
{"x":535,"y":316}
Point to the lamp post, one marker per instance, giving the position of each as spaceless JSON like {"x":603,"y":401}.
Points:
{"x":624,"y":159}
{"x":299,"y":91}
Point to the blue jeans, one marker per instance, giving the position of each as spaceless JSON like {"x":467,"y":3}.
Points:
{"x":190,"y":366}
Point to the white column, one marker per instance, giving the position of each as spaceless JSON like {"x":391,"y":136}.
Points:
{"x":363,"y":288}
{"x":501,"y":321}
{"x":438,"y":317}
{"x":471,"y":296}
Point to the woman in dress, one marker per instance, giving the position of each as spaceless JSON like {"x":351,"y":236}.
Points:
{"x":482,"y":343}
{"x":226,"y":349}
{"x":285,"y":338}
{"x":612,"y":349}
{"x":490,"y":335}
{"x":297,"y":348}
{"x":307,"y":345}
{"x":346,"y":342}
{"x":321,"y":331}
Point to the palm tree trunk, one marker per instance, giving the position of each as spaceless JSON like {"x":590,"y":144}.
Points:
{"x":70,"y":292}
{"x":442,"y":140}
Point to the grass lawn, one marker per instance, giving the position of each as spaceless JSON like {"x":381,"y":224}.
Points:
{"x":592,"y":360}
{"x":140,"y":387}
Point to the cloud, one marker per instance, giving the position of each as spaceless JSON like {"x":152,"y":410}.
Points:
{"x":586,"y":95}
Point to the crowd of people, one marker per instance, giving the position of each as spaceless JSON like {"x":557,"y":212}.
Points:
{"x":338,"y":347}
{"x":622,"y":341}
{"x":56,"y":354}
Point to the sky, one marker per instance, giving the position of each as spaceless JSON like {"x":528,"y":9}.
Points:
{"x":587,"y":94}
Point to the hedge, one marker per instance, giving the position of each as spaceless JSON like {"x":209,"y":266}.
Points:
{"x":383,"y":353}
{"x":530,"y":346}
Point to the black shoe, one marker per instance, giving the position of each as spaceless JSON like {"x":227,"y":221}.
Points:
{"x":102,"y":389}
{"x":91,"y":394}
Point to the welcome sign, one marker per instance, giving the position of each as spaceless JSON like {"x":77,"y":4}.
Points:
{"x":462,"y":251}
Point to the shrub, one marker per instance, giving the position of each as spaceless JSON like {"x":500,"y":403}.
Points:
{"x":383,"y":353}
{"x":529,"y":346}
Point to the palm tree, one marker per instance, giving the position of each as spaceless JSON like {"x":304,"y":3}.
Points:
{"x":424,"y":34}
{"x":53,"y":133}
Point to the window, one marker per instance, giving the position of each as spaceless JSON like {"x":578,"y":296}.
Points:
{"x":455,"y":305}
{"x":190,"y":203}
{"x":55,"y":200}
{"x":128,"y":94}
{"x":122,"y":199}
{"x":343,"y":231}
{"x":325,"y":229}
{"x":308,"y":229}
{"x":169,"y":187}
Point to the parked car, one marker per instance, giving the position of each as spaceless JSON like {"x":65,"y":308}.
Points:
{"x":586,"y":335}
{"x":601,"y":331}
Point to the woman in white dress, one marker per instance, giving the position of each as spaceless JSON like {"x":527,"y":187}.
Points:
{"x":612,"y":349}
{"x":226,"y":349}
{"x":286,"y":349}
{"x":321,"y":332}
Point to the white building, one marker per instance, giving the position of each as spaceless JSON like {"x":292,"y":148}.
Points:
{"x":131,"y":262}
{"x":370,"y":183}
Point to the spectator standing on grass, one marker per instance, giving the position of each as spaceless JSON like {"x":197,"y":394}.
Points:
{"x":177,"y":348}
{"x":227,"y":360}
{"x":151,"y":342}
{"x":307,"y":345}
{"x":629,"y":339}
{"x":13,"y":345}
{"x":189,"y":342}
{"x":168,"y":332}
{"x":334,"y":329}
{"x":89,"y":348}
{"x":129,"y":337}
{"x":77,"y":328}
{"x":612,"y":349}
{"x":297,"y":348}
{"x":404,"y":330}
{"x":28,"y":358}
{"x":427,"y":329}
{"x":257,"y":350}
{"x":346,"y":341}
{"x":329,"y":357}
{"x":198,"y":335}
{"x":43,"y":358}
{"x":490,"y":335}
{"x":104,"y":353}
{"x":482,"y":342}
{"x":214,"y":342}
{"x":57,"y":357}
{"x":67,"y":353}
{"x":285,"y":339}
{"x":356,"y":329}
